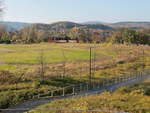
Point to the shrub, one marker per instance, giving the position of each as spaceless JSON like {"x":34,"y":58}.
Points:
{"x":36,"y":84}
{"x":7,"y":77}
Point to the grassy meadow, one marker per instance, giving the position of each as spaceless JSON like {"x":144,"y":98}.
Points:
{"x":106,"y":58}
{"x":64,"y":65}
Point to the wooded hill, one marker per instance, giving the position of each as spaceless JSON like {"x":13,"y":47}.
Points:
{"x":69,"y":25}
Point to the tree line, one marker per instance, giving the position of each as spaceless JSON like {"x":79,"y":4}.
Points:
{"x":31,"y":34}
{"x":129,"y":36}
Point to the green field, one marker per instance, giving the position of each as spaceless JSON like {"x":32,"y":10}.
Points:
{"x":58,"y":53}
{"x":15,"y":54}
{"x":64,"y":65}
{"x":53,"y":53}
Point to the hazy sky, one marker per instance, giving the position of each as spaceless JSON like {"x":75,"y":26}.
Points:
{"x":48,"y":11}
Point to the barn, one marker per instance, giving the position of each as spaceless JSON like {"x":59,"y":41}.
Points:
{"x":60,"y":40}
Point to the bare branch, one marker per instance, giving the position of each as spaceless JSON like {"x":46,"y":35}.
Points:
{"x":1,"y":8}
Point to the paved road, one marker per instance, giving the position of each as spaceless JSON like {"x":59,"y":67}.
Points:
{"x":31,"y":104}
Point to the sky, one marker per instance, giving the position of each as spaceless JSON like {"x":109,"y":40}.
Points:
{"x":48,"y":11}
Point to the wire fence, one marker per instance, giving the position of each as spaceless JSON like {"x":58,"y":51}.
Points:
{"x":84,"y":90}
{"x":95,"y":85}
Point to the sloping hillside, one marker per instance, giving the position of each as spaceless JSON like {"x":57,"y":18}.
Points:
{"x":69,"y":25}
{"x":15,"y":25}
{"x":133,"y":25}
{"x":64,"y":25}
{"x":99,"y":26}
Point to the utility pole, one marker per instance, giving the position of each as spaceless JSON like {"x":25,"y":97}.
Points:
{"x":90,"y":65}
{"x":64,"y":63}
{"x":143,"y":59}
{"x":94,"y":62}
{"x":42,"y":64}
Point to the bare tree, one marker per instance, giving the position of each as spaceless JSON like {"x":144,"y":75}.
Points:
{"x":29,"y":34}
{"x":1,"y":9}
{"x":64,"y":63}
{"x":3,"y":30}
{"x":42,"y":63}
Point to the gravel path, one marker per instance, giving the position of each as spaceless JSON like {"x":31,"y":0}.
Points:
{"x":32,"y":104}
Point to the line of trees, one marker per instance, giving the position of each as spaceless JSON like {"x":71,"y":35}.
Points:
{"x":31,"y":34}
{"x":129,"y":36}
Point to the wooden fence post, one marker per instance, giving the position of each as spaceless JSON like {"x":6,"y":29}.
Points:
{"x":99,"y":84}
{"x":80,"y":87}
{"x":107,"y":82}
{"x":87,"y":87}
{"x":126,"y":78}
{"x":93,"y":85}
{"x":103,"y":83}
{"x":63,"y":92}
{"x":73,"y":90}
{"x":38,"y":95}
{"x":52,"y":93}
{"x":116,"y":81}
{"x":119,"y":79}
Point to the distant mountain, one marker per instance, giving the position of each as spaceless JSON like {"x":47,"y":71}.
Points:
{"x":64,"y":25}
{"x":94,"y":22}
{"x":132,"y":25}
{"x":94,"y":25}
{"x":90,"y":26}
{"x":70,"y":25}
{"x":13,"y":26}
{"x":99,"y":26}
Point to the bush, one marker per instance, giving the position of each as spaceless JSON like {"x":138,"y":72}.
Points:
{"x":6,"y":41}
{"x":7,"y":77}
{"x":15,"y":97}
{"x":36,"y":84}
{"x":147,"y":92}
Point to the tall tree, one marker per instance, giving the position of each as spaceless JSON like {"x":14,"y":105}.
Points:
{"x":1,"y":8}
{"x":29,"y":34}
{"x":129,"y":36}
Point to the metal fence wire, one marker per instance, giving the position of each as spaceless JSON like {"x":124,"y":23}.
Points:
{"x":87,"y":89}
{"x":95,"y":85}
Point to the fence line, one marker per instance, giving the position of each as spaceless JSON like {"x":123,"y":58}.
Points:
{"x":85,"y":89}
{"x":93,"y":85}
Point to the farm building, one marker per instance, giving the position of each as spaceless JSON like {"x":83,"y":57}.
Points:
{"x":61,"y":40}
